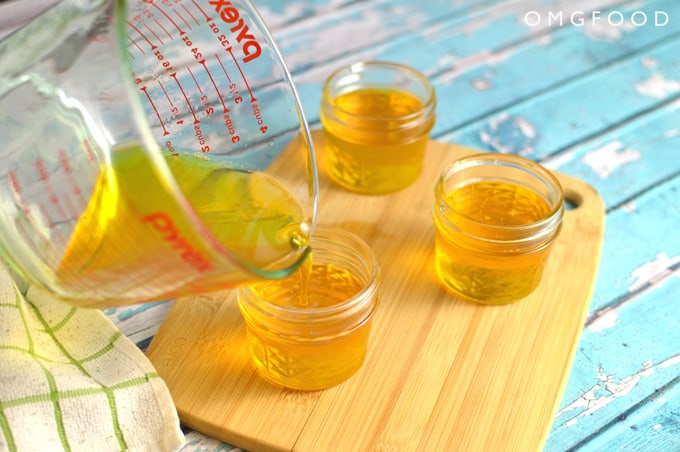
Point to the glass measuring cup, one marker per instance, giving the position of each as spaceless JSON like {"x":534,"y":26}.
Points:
{"x":151,"y":149}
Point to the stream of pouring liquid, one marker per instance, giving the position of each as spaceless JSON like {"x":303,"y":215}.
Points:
{"x":132,"y":223}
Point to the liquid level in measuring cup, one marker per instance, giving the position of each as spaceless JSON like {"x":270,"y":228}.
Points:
{"x":132,"y":220}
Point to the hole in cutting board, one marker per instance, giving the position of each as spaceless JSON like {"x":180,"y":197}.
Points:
{"x":572,"y":200}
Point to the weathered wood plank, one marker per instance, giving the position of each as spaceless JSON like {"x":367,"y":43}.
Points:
{"x":641,"y":245}
{"x":278,"y":14}
{"x":578,"y":111}
{"x":478,"y":73}
{"x":629,"y":159}
{"x":522,"y":72}
{"x":624,"y":357}
{"x":198,"y":442}
{"x":629,"y":350}
{"x":652,"y":425}
{"x":139,"y":322}
{"x":365,"y":25}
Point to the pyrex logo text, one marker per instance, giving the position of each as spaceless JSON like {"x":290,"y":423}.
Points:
{"x":230,"y":15}
{"x":171,"y":234}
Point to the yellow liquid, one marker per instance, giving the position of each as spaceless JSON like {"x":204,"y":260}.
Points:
{"x":360,"y":155}
{"x":135,"y":241}
{"x":485,"y":272}
{"x":308,"y":355}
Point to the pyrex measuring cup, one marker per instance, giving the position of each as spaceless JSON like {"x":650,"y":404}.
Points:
{"x":151,"y":149}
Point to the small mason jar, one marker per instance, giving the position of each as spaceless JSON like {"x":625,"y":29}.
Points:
{"x":496,"y":217}
{"x":310,"y":330}
{"x":377,"y":118}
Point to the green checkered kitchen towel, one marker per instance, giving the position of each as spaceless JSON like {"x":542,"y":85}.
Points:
{"x":69,"y":380}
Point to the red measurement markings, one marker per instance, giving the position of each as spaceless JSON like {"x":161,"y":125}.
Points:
{"x":55,"y":235}
{"x":243,"y":76}
{"x":192,"y":16}
{"x":173,"y":108}
{"x":153,"y":46}
{"x":223,"y":68}
{"x":170,"y":148}
{"x":217,"y":90}
{"x":158,"y":115}
{"x":198,"y":85}
{"x":209,"y":110}
{"x":162,"y":11}
{"x":131,"y":56}
{"x":154,"y":33}
{"x":136,"y":45}
{"x":163,"y":28}
{"x":257,"y":114}
{"x":66,"y":166}
{"x":181,"y":17}
{"x":44,"y":214}
{"x":228,"y":122}
{"x":42,"y":171}
{"x":45,"y":179}
{"x":71,"y":208}
{"x":16,"y":186}
{"x":90,"y":152}
{"x":207,"y":18}
{"x":193,"y":113}
{"x":14,"y":182}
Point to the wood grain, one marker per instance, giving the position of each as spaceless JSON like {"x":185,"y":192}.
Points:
{"x":439,"y":373}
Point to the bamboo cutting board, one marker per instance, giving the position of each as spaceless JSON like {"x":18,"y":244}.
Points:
{"x":440,"y":375}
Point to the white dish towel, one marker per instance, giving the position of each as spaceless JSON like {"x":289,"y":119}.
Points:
{"x":69,"y":380}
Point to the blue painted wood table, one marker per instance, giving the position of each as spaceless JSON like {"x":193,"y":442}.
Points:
{"x":590,"y":88}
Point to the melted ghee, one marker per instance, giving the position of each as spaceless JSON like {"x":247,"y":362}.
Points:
{"x":370,"y":147}
{"x":300,"y":353}
{"x":134,"y":231}
{"x":489,"y":271}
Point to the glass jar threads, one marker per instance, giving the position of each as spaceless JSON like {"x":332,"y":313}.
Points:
{"x":377,"y":117}
{"x":496,"y":217}
{"x":310,"y":330}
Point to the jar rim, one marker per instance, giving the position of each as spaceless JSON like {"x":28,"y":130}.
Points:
{"x":360,"y":249}
{"x":553,"y":219}
{"x":429,"y":103}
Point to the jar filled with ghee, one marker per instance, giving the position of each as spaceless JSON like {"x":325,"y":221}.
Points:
{"x":377,"y":118}
{"x":310,"y":330}
{"x":496,"y":217}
